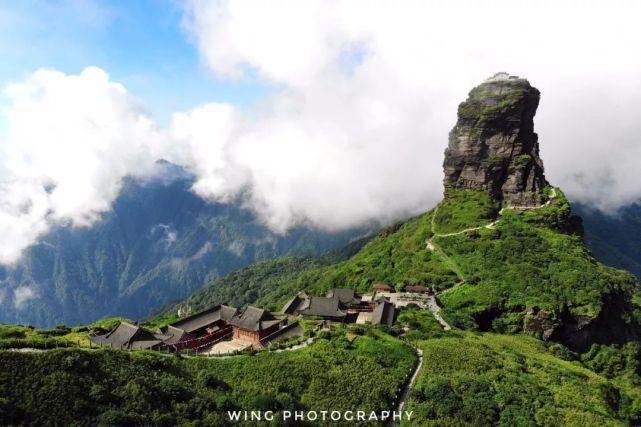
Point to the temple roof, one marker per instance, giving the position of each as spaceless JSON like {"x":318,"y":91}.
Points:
{"x":123,"y":335}
{"x":171,"y":335}
{"x":299,"y":302}
{"x":323,"y":307}
{"x":345,"y":296}
{"x":205,"y":318}
{"x":254,"y":319}
{"x":383,"y":314}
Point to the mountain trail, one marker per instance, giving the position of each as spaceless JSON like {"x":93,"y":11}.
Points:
{"x":433,"y":246}
{"x":405,"y":392}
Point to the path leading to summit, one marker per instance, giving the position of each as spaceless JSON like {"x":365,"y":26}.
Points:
{"x":405,"y":392}
{"x":436,"y":311}
{"x":525,"y":208}
{"x":433,"y":246}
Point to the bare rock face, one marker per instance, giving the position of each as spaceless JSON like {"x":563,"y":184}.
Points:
{"x":493,"y":146}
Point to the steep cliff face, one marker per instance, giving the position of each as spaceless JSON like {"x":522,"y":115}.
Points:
{"x":493,"y":146}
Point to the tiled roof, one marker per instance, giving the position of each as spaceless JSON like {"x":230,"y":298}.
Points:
{"x":172,"y":335}
{"x":412,"y":288}
{"x":205,"y":318}
{"x":323,"y":307}
{"x":383,"y":314}
{"x":254,"y":319}
{"x":345,"y":296}
{"x":123,"y":335}
{"x":299,"y":302}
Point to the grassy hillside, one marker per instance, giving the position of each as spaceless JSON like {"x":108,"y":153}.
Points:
{"x":106,"y":387}
{"x":491,"y":268}
{"x":398,"y":255}
{"x":488,"y":379}
{"x":510,"y":273}
{"x":524,"y":263}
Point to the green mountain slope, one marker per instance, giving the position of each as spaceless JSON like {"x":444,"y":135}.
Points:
{"x":525,"y":273}
{"x":487,"y":379}
{"x":106,"y":388}
{"x":543,"y":333}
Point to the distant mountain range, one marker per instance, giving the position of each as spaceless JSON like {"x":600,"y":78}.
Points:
{"x":614,"y":239}
{"x":159,"y":243}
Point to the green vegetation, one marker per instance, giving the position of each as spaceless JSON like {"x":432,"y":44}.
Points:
{"x":524,"y":262}
{"x":106,"y":387}
{"x":522,"y":161}
{"x":421,"y":324}
{"x":503,"y":102}
{"x":17,"y":336}
{"x":108,"y":323}
{"x":398,"y":255}
{"x":464,"y":209}
{"x":492,"y":379}
{"x":529,"y":260}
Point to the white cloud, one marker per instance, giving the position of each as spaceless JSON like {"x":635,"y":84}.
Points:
{"x":167,"y":234}
{"x":70,"y":141}
{"x":178,"y":263}
{"x":344,"y":144}
{"x":22,"y":295}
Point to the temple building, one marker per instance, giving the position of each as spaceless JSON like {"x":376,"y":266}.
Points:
{"x":382,"y":287}
{"x":126,"y":336}
{"x":384,"y":313}
{"x":254,"y":324}
{"x":206,"y":321}
{"x":200,"y":331}
{"x":340,"y":305}
{"x":327,"y":308}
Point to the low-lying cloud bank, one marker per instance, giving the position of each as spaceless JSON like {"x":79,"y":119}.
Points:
{"x":358,"y":129}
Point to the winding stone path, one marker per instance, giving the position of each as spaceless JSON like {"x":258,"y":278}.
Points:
{"x":433,"y":246}
{"x":405,"y":391}
{"x":436,"y":311}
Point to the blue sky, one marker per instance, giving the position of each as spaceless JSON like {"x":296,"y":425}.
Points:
{"x":140,"y":43}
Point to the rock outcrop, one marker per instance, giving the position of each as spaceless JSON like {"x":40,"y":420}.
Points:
{"x":493,"y":146}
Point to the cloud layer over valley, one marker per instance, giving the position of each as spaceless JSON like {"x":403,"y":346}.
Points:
{"x":356,"y":129}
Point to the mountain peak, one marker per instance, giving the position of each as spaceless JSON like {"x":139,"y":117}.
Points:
{"x":493,"y":146}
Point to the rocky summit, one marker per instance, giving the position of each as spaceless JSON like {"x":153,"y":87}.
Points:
{"x":493,"y":146}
